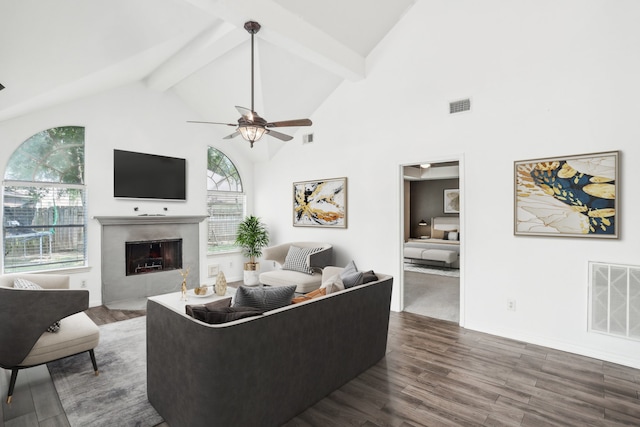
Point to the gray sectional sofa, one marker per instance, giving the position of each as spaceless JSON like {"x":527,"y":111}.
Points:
{"x":263,"y":371}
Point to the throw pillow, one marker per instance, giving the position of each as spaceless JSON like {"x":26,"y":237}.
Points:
{"x":453,"y":235}
{"x":351,"y":276}
{"x":263,"y":297}
{"x":296,"y":259}
{"x":333,"y":284}
{"x":197,"y":311}
{"x":21,"y":283}
{"x":437,"y":234}
{"x":369,"y":276}
{"x":220,"y":315}
{"x":310,"y":295}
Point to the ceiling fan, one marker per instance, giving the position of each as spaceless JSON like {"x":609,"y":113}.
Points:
{"x":250,"y":125}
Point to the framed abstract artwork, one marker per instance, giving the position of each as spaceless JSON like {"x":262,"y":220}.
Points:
{"x":570,"y":196}
{"x":320,"y":203}
{"x":452,"y":201}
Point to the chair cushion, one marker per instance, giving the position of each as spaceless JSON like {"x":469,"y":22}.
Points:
{"x":264,"y":298}
{"x":77,"y":333}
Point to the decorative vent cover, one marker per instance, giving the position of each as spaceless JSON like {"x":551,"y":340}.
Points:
{"x":459,"y":106}
{"x":614,"y":300}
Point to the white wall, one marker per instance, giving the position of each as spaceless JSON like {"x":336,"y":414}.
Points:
{"x":136,"y":119}
{"x":545,"y":78}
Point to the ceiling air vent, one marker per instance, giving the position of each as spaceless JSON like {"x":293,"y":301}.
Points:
{"x":307,"y":139}
{"x":459,"y":106}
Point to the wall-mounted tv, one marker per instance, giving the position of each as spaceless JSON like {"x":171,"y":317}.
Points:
{"x":148,"y":176}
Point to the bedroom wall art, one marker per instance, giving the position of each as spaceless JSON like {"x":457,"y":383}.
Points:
{"x":574,"y":196}
{"x":320,"y":203}
{"x":452,"y":201}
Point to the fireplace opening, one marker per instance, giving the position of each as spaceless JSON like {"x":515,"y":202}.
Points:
{"x":152,"y":256}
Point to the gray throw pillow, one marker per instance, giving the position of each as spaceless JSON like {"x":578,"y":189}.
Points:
{"x":296,"y":259}
{"x":369,"y":276}
{"x":21,"y":283}
{"x":197,"y":311}
{"x":351,"y":276}
{"x":264,"y":297}
{"x":218,"y":315}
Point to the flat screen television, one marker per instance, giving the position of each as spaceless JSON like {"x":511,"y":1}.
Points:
{"x":148,"y":176}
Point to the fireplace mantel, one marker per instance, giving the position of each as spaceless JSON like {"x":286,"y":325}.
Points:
{"x":150,"y":219}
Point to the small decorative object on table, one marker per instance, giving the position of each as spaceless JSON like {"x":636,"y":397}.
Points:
{"x":184,"y":274}
{"x":221,"y":284}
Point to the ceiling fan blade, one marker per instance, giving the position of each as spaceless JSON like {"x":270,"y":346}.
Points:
{"x":280,"y":136}
{"x":245,"y":112}
{"x":212,"y":123}
{"x":287,"y":123}
{"x":233,"y":135}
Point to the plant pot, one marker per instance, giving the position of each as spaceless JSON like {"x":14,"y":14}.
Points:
{"x":251,"y":273}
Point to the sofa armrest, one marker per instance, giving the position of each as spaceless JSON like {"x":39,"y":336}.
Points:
{"x":276,"y":253}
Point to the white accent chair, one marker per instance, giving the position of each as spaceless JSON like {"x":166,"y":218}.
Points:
{"x":304,"y":282}
{"x":25,"y":315}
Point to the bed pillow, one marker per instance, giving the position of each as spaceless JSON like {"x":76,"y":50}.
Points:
{"x":21,"y":283}
{"x":296,"y":259}
{"x":437,"y":234}
{"x":264,"y":298}
{"x":452,"y":235}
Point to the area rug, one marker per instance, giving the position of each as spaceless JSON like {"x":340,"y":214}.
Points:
{"x":116,"y":397}
{"x":450,"y":272}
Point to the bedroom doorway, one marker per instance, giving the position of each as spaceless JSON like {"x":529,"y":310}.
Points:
{"x":432,"y":242}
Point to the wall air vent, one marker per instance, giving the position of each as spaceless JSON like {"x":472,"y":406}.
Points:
{"x":307,"y":139}
{"x":614,"y":299}
{"x":459,"y":106}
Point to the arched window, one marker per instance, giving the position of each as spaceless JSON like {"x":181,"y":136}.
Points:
{"x":44,"y":201}
{"x":225,"y":202}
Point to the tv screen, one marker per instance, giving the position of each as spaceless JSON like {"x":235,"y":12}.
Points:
{"x":148,"y":176}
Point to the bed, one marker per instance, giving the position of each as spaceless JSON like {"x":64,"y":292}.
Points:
{"x":442,"y":248}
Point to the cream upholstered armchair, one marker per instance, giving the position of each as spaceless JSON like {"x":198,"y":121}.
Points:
{"x":27,"y":314}
{"x":302,"y":268}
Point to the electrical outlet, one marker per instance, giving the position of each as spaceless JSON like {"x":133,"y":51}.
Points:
{"x":213,"y":270}
{"x":511,"y":305}
{"x":83,"y":284}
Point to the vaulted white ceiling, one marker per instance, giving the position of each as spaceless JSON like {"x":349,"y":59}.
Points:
{"x":57,"y":51}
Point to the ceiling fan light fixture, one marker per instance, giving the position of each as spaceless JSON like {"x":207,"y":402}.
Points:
{"x":252,"y":133}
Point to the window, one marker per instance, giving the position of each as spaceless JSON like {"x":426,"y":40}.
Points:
{"x":44,"y":201}
{"x":225,"y":202}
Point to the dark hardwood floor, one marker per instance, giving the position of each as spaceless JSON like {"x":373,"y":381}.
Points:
{"x":438,"y":374}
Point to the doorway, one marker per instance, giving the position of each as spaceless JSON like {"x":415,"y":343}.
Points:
{"x":432,"y":242}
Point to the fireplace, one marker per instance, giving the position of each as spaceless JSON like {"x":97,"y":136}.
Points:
{"x":158,"y":267}
{"x":152,"y":256}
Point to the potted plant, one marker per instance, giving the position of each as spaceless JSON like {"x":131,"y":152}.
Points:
{"x":252,"y":237}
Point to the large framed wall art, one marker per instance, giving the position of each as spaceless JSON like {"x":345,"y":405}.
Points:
{"x":571,"y":196}
{"x":320,"y":203}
